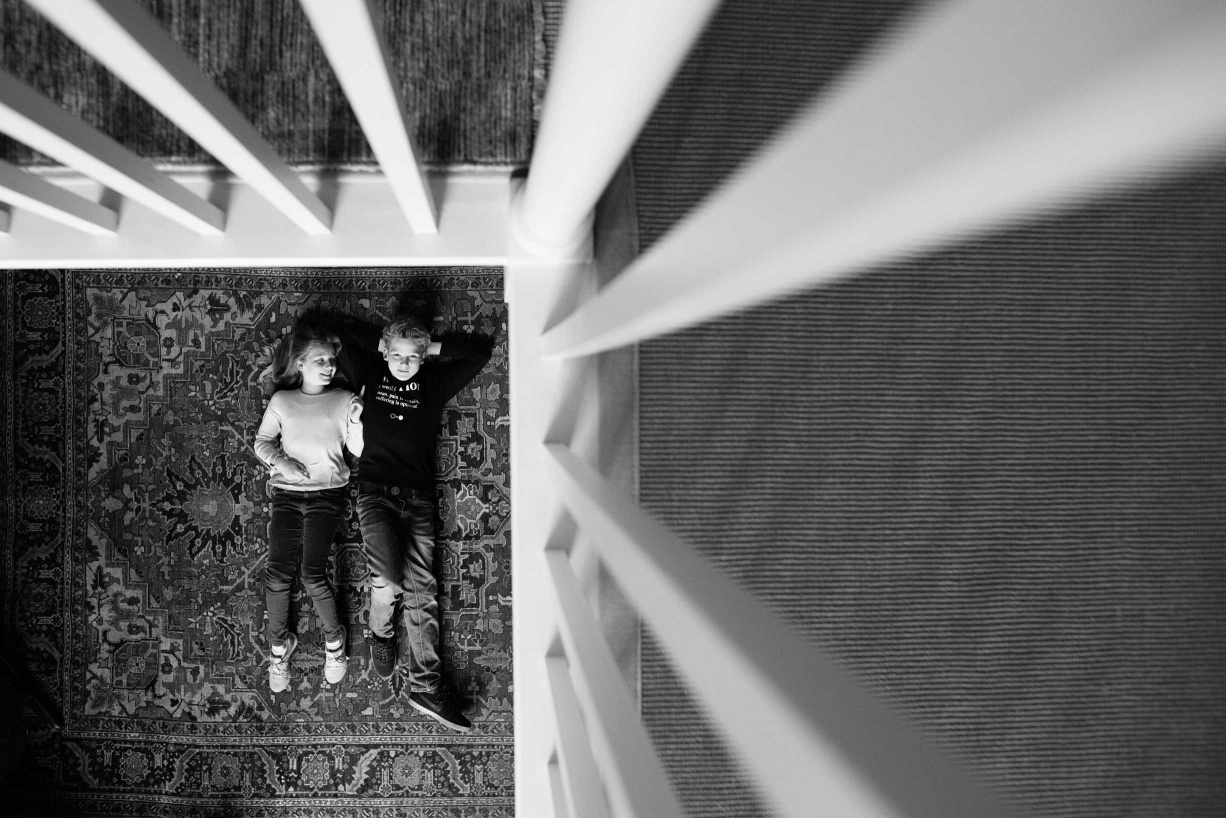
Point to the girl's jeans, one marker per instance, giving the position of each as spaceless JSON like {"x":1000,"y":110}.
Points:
{"x":398,"y":534}
{"x":300,"y":533}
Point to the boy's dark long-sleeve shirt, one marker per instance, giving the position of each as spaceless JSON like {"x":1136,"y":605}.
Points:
{"x":401,"y":418}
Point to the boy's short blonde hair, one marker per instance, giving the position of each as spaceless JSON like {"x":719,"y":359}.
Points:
{"x":409,"y":328}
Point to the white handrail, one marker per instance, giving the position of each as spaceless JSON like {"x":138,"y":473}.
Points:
{"x":42,"y":198}
{"x":579,"y":772}
{"x":129,"y":41}
{"x":32,"y":118}
{"x":817,"y":741}
{"x":358,"y":55}
{"x":613,"y":61}
{"x":634,"y":774}
{"x":985,"y":111}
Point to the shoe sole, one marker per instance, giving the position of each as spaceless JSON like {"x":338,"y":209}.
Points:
{"x":421,"y":709}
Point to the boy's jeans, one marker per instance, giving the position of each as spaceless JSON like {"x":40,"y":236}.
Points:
{"x":300,"y":532}
{"x":398,"y":534}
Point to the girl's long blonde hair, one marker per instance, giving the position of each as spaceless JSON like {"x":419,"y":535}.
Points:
{"x":280,"y":360}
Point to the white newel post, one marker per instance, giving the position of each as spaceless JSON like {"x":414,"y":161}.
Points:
{"x":534,"y":289}
{"x":613,"y":62}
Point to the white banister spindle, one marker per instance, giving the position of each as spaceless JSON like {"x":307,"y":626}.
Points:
{"x":131,"y":43}
{"x":44,"y":199}
{"x":612,"y":63}
{"x":32,"y":118}
{"x":635,"y":777}
{"x":817,"y":741}
{"x":579,"y":772}
{"x":558,"y":790}
{"x":358,"y":54}
{"x":983,"y":111}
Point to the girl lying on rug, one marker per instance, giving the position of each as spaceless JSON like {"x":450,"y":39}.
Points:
{"x":301,"y":439}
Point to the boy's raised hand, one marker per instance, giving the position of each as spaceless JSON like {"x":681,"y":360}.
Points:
{"x":290,"y":469}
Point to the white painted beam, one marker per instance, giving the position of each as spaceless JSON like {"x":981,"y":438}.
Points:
{"x":131,"y":43}
{"x":982,"y":112}
{"x":359,"y":56}
{"x":818,"y":742}
{"x":579,"y":773}
{"x":44,"y":199}
{"x":612,"y":63}
{"x":634,"y":774}
{"x":368,"y":230}
{"x":32,"y":118}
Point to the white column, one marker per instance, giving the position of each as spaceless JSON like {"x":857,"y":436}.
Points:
{"x":358,"y":55}
{"x":131,"y":43}
{"x":983,"y":111}
{"x":32,"y":118}
{"x":613,"y":61}
{"x":42,"y":198}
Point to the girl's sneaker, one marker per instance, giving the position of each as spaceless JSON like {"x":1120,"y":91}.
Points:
{"x":335,"y":663}
{"x":278,"y":665}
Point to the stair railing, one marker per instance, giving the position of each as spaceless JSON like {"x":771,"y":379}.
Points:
{"x":978,"y":113}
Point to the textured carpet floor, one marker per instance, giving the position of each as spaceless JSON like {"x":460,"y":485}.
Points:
{"x":992,"y":481}
{"x":134,"y":545}
{"x":467,"y":71}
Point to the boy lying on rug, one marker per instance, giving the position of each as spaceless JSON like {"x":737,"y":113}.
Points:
{"x":404,"y":395}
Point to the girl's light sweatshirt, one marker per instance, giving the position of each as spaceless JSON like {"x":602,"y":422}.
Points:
{"x":312,"y":429}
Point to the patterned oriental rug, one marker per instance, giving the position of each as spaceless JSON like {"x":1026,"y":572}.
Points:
{"x":134,"y":545}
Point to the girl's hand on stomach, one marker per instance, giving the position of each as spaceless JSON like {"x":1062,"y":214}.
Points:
{"x":290,"y":469}
{"x":355,"y":411}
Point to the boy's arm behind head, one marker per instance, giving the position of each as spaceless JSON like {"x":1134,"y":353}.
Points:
{"x":359,"y":348}
{"x":461,"y":358}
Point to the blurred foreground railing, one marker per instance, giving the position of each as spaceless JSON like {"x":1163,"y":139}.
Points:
{"x":980,"y":112}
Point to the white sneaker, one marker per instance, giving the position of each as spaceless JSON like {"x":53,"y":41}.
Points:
{"x":335,"y":664}
{"x":278,"y":666}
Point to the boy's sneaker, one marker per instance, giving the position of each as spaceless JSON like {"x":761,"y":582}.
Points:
{"x":439,"y":706}
{"x":278,"y":665}
{"x":335,"y":663}
{"x":383,"y":655}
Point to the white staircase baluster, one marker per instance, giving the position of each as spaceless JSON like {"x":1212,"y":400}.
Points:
{"x":982,"y":112}
{"x":613,"y":62}
{"x":635,"y":777}
{"x":579,"y":772}
{"x":817,"y":741}
{"x":358,"y":55}
{"x":39,"y":122}
{"x":131,"y":43}
{"x":44,"y":199}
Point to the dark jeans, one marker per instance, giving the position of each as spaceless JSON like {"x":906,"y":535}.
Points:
{"x":300,"y":532}
{"x":398,"y":534}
